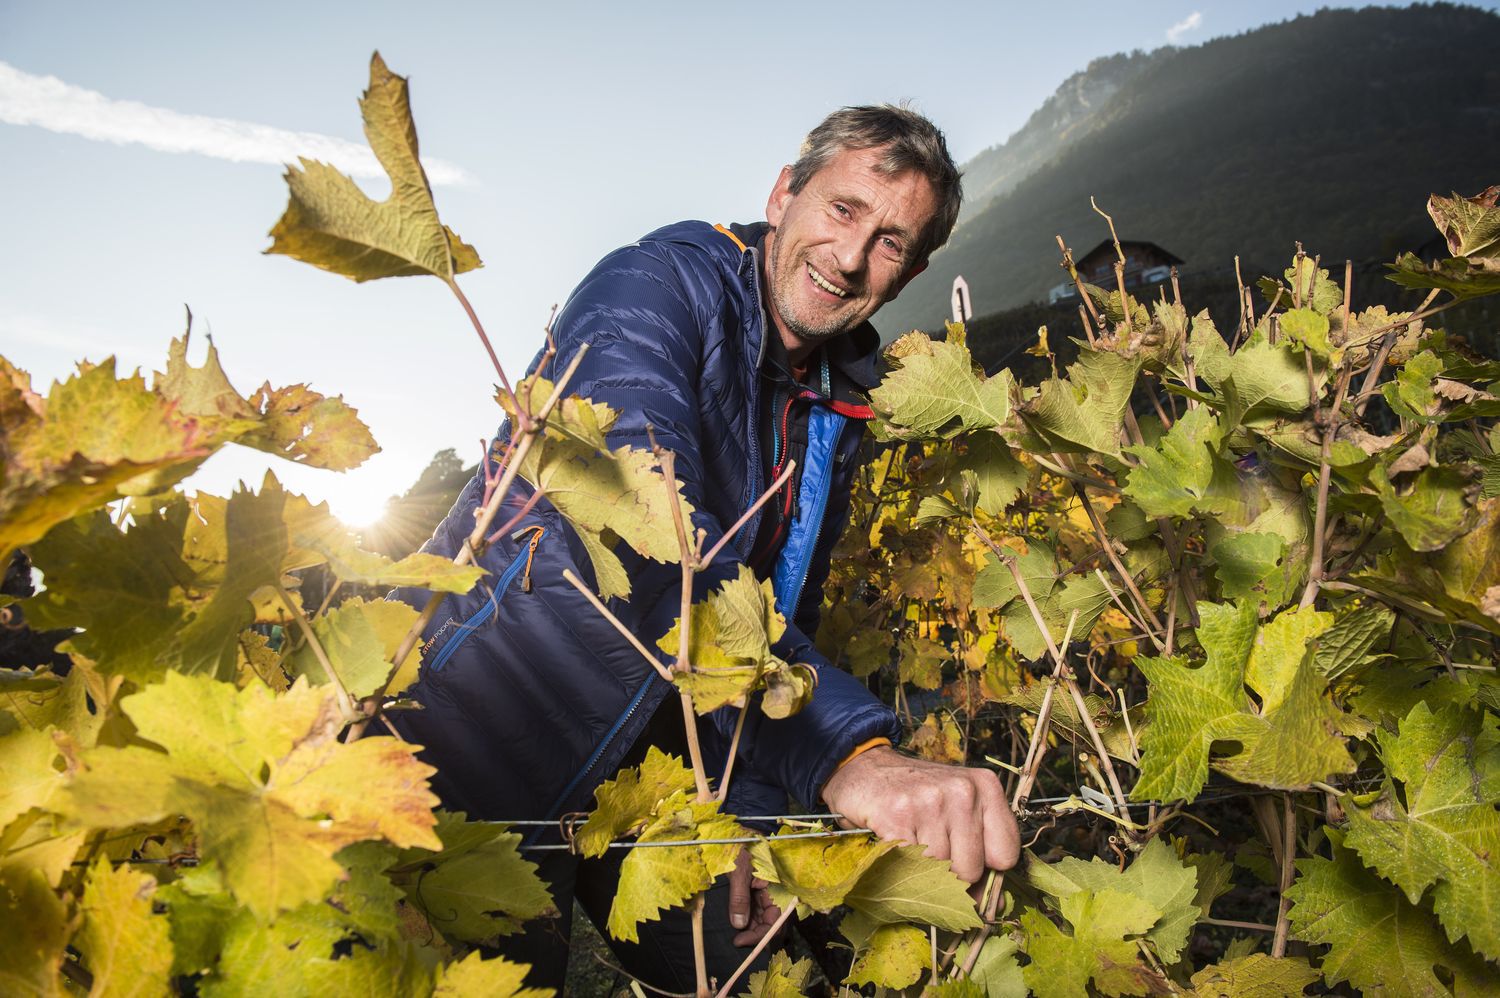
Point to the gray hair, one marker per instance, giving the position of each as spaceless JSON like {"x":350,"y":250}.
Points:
{"x":910,"y":142}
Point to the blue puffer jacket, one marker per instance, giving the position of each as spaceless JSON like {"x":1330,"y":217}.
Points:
{"x":530,"y":697}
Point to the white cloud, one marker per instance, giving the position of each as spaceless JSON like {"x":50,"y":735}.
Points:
{"x":47,"y":102}
{"x":1190,"y":23}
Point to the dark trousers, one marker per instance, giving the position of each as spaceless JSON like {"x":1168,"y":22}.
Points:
{"x":664,"y":956}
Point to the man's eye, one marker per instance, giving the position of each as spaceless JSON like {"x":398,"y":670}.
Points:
{"x":842,"y":209}
{"x":891,"y":246}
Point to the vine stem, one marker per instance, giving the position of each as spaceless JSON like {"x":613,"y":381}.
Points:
{"x":765,"y":497}
{"x":1316,"y":569}
{"x":1062,"y":671}
{"x":1288,"y":852}
{"x":523,"y":418}
{"x":625,"y":632}
{"x":684,"y":664}
{"x":346,"y":709}
{"x":700,"y":959}
{"x":471,"y":545}
{"x":765,"y":940}
{"x":734,"y":746}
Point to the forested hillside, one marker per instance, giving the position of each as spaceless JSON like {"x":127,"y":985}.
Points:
{"x":1331,"y":129}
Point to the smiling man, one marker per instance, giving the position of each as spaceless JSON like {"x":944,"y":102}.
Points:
{"x":741,"y":348}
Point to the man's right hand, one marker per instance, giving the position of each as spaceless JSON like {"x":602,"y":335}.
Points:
{"x":959,"y":814}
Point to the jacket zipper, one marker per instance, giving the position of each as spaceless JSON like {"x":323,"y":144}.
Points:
{"x":598,"y":753}
{"x":493,"y":604}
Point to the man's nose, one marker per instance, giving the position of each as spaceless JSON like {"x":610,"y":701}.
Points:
{"x":849,"y":252}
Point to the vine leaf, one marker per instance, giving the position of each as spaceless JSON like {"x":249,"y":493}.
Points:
{"x":1441,"y":830}
{"x":905,"y":885}
{"x":1246,"y":563}
{"x":126,"y":947}
{"x":478,"y":887}
{"x":330,"y":223}
{"x":1101,"y":948}
{"x":94,"y":438}
{"x":1471,"y":227}
{"x":781,"y":979}
{"x":624,"y":804}
{"x":359,"y":639}
{"x":494,"y":978}
{"x":1157,"y":877}
{"x":935,"y":392}
{"x":1254,"y":976}
{"x":818,"y":872}
{"x":731,"y":656}
{"x":1291,"y":743}
{"x":1378,"y":941}
{"x":617,"y":495}
{"x":888,"y":956}
{"x":261,"y":776}
{"x":1084,"y":412}
{"x":656,"y":878}
{"x":1434,"y":512}
{"x":996,"y":972}
{"x":36,"y":928}
{"x":28,"y":776}
{"x":1173,"y":478}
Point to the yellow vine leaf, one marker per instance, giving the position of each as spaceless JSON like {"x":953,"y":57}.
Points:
{"x":330,"y":223}
{"x":271,"y":791}
{"x":656,"y":878}
{"x":627,"y":802}
{"x":125,"y":946}
{"x":495,"y":978}
{"x":35,"y":926}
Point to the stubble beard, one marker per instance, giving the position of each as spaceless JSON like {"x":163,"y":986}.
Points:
{"x":785,"y":277}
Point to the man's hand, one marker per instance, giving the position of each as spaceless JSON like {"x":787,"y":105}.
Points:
{"x":959,"y":814}
{"x":750,"y":907}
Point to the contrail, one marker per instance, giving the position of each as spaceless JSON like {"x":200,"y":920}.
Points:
{"x":47,"y":102}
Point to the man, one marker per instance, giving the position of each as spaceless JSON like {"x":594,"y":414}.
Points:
{"x":741,"y":349}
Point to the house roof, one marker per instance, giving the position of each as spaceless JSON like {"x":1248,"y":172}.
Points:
{"x":1108,"y":247}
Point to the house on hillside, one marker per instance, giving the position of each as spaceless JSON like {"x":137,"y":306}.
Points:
{"x":1145,"y":263}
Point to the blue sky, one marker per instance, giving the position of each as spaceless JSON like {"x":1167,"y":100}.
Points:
{"x":563,"y":130}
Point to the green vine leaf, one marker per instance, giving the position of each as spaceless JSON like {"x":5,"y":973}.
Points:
{"x":478,"y":887}
{"x":1378,"y":941}
{"x":1084,"y":412}
{"x":935,"y":392}
{"x":1100,"y":949}
{"x":1293,"y":742}
{"x":1254,"y":976}
{"x":1156,"y":877}
{"x":1441,"y":830}
{"x":331,"y":224}
{"x":1174,"y":478}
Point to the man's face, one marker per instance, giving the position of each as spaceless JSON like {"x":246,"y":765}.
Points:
{"x":842,"y":246}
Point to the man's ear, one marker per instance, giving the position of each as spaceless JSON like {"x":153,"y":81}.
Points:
{"x":907,"y":278}
{"x":781,"y":195}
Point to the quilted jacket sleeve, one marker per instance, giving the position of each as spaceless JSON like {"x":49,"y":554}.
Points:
{"x":646,"y":313}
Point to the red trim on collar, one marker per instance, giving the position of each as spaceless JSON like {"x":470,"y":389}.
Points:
{"x":852,"y":411}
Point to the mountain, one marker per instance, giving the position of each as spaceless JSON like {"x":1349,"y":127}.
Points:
{"x":1331,"y":129}
{"x":1063,"y":118}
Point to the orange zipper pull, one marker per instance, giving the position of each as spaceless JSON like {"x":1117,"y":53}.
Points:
{"x":536,"y":537}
